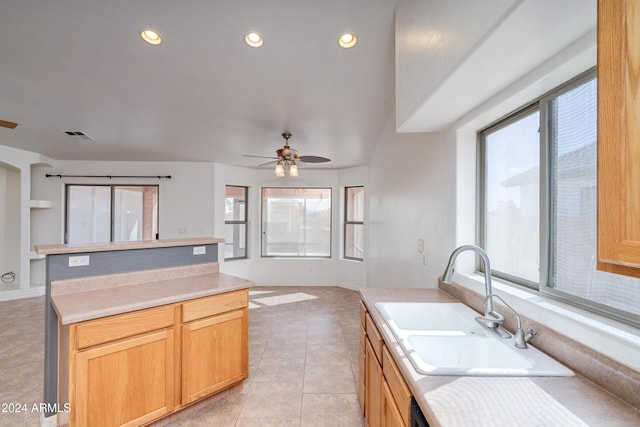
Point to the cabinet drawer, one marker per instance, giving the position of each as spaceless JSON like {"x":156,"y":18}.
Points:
{"x":215,"y":304}
{"x":397,"y":386}
{"x":374,"y":337}
{"x":112,"y":328}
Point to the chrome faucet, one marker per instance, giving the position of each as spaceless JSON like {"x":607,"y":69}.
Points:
{"x":491,"y":319}
{"x":520,"y":339}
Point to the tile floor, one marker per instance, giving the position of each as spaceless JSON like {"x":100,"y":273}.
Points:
{"x":303,"y":364}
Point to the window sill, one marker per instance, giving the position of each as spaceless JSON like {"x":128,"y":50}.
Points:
{"x":616,"y":340}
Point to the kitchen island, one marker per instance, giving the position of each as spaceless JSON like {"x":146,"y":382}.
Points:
{"x":139,"y":330}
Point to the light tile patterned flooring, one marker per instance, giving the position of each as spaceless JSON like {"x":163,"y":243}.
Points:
{"x":303,"y":363}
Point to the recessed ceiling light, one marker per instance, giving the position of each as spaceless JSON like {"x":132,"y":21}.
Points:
{"x":253,"y":39}
{"x":150,"y":36}
{"x":347,"y":40}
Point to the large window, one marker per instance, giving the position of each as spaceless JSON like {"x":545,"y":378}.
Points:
{"x":111,"y":213}
{"x":296,"y":222}
{"x":566,"y":206}
{"x":511,"y":180}
{"x":235,"y":222}
{"x":354,"y":223}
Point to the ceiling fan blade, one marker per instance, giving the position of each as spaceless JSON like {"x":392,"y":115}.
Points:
{"x":313,"y":159}
{"x":9,"y":125}
{"x":261,"y":157}
{"x":268,"y":163}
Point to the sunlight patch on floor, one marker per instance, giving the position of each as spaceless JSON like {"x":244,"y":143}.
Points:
{"x":283,"y":299}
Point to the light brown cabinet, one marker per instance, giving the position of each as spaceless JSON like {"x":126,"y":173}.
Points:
{"x":384,"y":394}
{"x":128,"y":382}
{"x":130,"y":369}
{"x":619,"y":137}
{"x":391,"y":416}
{"x":214,"y":354}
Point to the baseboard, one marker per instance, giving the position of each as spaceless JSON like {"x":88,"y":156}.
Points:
{"x":22,"y":293}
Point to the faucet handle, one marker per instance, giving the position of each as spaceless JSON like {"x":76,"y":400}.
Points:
{"x":530,"y":334}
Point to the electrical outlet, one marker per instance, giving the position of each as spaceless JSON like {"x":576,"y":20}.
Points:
{"x":199,"y":250}
{"x":78,"y":261}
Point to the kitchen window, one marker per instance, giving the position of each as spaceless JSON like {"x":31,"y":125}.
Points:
{"x":514,"y":213}
{"x":296,"y":222}
{"x":110,"y":213}
{"x":354,"y":223}
{"x":235,"y":222}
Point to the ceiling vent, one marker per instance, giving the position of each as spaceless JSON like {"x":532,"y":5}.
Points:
{"x":78,"y":134}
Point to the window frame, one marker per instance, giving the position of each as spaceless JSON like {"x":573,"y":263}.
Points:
{"x":547,"y":225}
{"x":481,"y":191}
{"x":238,"y":222}
{"x":349,"y":222}
{"x":263,"y":224}
{"x":112,"y":188}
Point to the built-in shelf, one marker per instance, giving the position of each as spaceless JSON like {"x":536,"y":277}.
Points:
{"x":40,"y":204}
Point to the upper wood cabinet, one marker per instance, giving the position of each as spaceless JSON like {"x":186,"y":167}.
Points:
{"x":619,"y":136}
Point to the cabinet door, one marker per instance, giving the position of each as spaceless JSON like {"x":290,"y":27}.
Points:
{"x":214,"y":354}
{"x":391,"y":416}
{"x":373,"y":388}
{"x":129,"y":382}
{"x":619,"y":137}
{"x":362,"y":361}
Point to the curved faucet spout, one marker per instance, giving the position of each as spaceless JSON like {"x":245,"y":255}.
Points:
{"x":489,"y":310}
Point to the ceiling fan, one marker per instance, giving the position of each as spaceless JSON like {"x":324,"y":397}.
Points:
{"x":8,"y":125}
{"x":287,"y":158}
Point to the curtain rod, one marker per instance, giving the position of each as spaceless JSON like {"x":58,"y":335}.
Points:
{"x":108,"y":176}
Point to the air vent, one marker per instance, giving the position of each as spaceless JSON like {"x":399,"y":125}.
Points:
{"x":78,"y":134}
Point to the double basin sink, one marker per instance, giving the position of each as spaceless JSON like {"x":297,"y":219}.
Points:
{"x":445,"y":339}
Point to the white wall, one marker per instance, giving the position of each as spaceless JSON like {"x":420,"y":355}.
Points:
{"x":9,"y":221}
{"x":192,"y":205}
{"x":411,"y":196}
{"x":277,"y":271}
{"x":185,"y":202}
{"x":350,"y":273}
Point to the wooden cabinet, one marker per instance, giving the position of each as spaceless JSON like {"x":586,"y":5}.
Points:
{"x":619,"y":137}
{"x":373,"y":388}
{"x":397,"y":387}
{"x":386,"y":397}
{"x":122,"y":369}
{"x":132,"y":368}
{"x":391,"y":416}
{"x":129,"y":382}
{"x":214,"y":354}
{"x":362,"y":360}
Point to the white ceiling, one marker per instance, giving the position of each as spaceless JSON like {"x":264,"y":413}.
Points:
{"x":203,"y":95}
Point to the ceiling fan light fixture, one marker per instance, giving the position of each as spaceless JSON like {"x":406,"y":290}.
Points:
{"x":347,"y":40}
{"x":293,"y":169}
{"x":151,"y":36}
{"x":253,"y":39}
{"x":279,"y":169}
